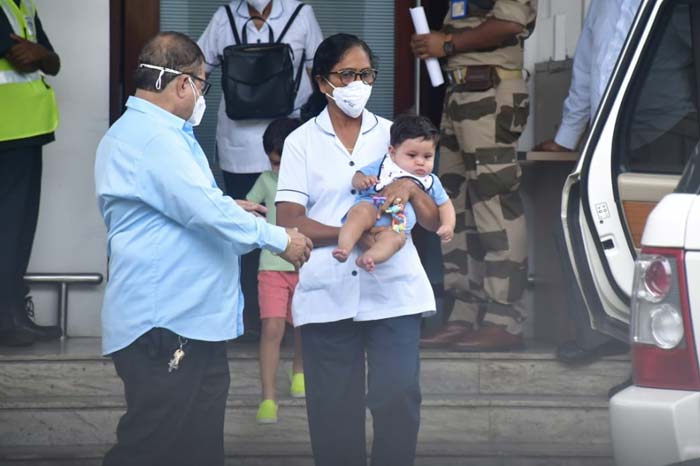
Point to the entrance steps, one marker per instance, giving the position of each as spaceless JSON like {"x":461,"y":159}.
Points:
{"x":60,"y":403}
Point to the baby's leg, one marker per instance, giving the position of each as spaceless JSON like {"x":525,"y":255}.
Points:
{"x":361,"y":217}
{"x":388,"y":243}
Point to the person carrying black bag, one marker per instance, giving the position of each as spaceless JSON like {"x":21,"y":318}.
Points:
{"x":259,"y":25}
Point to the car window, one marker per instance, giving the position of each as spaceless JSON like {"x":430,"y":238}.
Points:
{"x":660,"y":128}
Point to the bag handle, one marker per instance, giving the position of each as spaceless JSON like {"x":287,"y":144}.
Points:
{"x":297,"y":80}
{"x":233,"y":25}
{"x":289,"y":23}
{"x":271,"y":36}
{"x":236,"y":37}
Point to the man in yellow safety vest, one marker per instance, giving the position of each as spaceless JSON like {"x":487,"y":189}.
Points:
{"x":28,"y":118}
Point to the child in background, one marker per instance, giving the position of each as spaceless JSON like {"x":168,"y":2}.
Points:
{"x":411,"y":155}
{"x":276,"y":282}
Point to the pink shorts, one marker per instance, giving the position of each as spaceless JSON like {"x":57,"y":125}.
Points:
{"x":275,"y":292}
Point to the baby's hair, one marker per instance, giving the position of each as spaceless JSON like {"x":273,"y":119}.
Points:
{"x":412,"y":127}
{"x":276,"y":132}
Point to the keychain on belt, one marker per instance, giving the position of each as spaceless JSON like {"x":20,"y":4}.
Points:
{"x":178,"y":355}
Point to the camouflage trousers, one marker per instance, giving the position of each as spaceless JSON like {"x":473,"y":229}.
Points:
{"x":486,"y":262}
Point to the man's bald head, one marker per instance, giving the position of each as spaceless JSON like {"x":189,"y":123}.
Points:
{"x":172,"y":50}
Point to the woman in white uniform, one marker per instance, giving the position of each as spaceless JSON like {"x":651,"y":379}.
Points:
{"x":345,"y":312}
{"x":239,"y":142}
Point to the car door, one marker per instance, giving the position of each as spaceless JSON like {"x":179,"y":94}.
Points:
{"x":640,"y":140}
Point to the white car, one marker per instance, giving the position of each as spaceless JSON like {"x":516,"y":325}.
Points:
{"x":640,"y":166}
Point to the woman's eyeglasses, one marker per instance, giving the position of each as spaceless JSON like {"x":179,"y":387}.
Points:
{"x":367,"y":75}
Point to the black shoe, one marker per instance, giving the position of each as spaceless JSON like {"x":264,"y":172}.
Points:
{"x":16,"y":337}
{"x":20,"y":328}
{"x":570,"y":353}
{"x":41,"y":332}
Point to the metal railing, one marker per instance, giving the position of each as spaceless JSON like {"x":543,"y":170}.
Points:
{"x":62,"y":280}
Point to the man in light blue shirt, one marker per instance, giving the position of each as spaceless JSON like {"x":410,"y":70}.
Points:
{"x":174,"y":241}
{"x":604,"y":32}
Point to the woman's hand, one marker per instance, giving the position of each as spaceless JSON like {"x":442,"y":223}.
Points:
{"x":398,"y":192}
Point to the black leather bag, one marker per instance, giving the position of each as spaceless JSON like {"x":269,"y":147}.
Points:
{"x":258,"y":79}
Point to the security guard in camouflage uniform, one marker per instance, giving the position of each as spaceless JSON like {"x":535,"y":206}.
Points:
{"x":486,"y":108}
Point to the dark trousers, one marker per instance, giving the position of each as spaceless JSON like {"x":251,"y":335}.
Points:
{"x":237,"y":186}
{"x":20,"y":190}
{"x":334,"y":369}
{"x":172,"y":418}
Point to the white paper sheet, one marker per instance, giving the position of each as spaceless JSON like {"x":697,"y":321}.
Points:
{"x":420,"y":23}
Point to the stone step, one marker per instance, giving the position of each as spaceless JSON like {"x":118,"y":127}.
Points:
{"x":286,"y":454}
{"x":583,"y":421}
{"x":75,"y":368}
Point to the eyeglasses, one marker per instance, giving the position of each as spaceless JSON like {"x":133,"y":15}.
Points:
{"x":368,"y":75}
{"x":206,"y":85}
{"x":203,"y":89}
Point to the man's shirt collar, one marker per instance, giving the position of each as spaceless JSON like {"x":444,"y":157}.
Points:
{"x":167,"y":118}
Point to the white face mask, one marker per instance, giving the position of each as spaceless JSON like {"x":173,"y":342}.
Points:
{"x":259,"y":5}
{"x":200,"y":105}
{"x":351,"y":99}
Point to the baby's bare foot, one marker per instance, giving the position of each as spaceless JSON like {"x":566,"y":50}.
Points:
{"x":340,"y":254}
{"x":365,"y":262}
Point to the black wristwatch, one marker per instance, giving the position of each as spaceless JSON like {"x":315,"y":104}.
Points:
{"x":448,"y":47}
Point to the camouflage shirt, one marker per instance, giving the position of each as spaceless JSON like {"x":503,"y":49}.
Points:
{"x":510,"y":53}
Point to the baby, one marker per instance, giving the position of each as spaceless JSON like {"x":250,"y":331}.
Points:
{"x":411,"y":155}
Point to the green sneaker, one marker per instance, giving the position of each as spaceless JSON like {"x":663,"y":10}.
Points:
{"x":267,"y":412}
{"x":298,"y":389}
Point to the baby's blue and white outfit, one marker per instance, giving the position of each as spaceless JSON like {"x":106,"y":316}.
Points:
{"x":387,"y":171}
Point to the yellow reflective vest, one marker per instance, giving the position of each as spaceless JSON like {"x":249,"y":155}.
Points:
{"x":27,"y":103}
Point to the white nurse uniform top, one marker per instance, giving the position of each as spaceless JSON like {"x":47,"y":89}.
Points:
{"x":316,"y":173}
{"x":239,"y":142}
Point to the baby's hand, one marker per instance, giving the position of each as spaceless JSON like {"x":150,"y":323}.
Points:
{"x":446,"y":233}
{"x":366,"y":182}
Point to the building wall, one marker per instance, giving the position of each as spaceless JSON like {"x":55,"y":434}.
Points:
{"x":71,"y":235}
{"x":558,"y":27}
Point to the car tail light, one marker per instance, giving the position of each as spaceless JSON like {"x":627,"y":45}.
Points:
{"x":663,"y":346}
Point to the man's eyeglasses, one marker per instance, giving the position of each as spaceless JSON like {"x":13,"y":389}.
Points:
{"x":203,"y":89}
{"x":367,"y":75}
{"x":205,"y":86}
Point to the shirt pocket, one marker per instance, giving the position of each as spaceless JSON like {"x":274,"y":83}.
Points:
{"x":322,"y":270}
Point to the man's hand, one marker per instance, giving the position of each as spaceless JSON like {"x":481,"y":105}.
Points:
{"x":254,"y":208}
{"x":428,"y":45}
{"x":551,"y":146}
{"x":26,"y":56}
{"x":298,"y":250}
